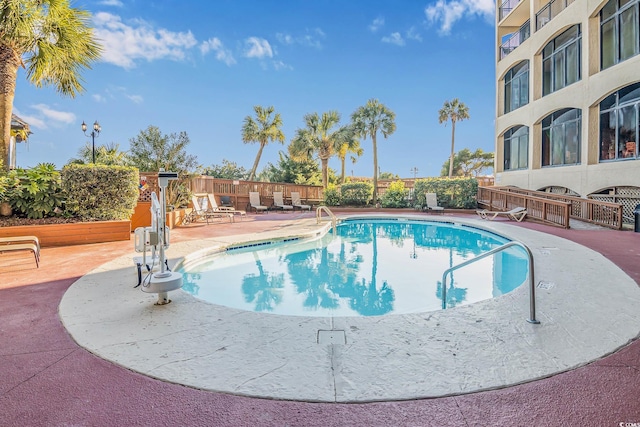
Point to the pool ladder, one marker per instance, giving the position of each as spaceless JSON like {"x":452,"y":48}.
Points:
{"x":532,"y":290}
{"x":334,"y":220}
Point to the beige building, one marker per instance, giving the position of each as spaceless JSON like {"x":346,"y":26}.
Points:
{"x":568,"y":92}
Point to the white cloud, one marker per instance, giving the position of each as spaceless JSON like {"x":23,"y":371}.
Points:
{"x":222,"y":54}
{"x":46,"y":117}
{"x":279,"y":65}
{"x":98,"y":98}
{"x":137,"y":99}
{"x":124,"y":44}
{"x":54,"y":115}
{"x":447,"y":13}
{"x":258,"y":48}
{"x":311,"y":38}
{"x":116,"y":3}
{"x":394,"y":38}
{"x":413,"y":34}
{"x":376,"y":24}
{"x":285,"y":38}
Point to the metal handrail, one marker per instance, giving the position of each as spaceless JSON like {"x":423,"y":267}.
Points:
{"x":532,"y":291}
{"x":333,"y":217}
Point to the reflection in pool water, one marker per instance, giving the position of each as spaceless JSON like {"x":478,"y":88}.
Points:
{"x":369,"y":268}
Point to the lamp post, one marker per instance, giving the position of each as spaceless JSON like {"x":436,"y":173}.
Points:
{"x":94,"y":133}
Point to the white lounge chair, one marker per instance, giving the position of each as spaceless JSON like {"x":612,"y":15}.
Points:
{"x":296,"y":202}
{"x":213,"y":207}
{"x":515,"y":214}
{"x":198,"y":213}
{"x":254,"y":202}
{"x":432,"y":203}
{"x":278,"y":201}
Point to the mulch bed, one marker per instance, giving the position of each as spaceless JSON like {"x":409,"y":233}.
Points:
{"x":11,"y":221}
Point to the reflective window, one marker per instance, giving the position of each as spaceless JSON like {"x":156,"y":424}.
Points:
{"x":619,"y":32}
{"x":516,"y":148}
{"x":561,"y":61}
{"x":619,"y":124}
{"x":561,"y":138}
{"x":516,"y":87}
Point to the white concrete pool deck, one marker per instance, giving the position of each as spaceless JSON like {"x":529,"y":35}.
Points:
{"x":587,"y":307}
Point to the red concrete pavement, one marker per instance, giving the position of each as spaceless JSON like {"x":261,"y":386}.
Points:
{"x":47,"y":380}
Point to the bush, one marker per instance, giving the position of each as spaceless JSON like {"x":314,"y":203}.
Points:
{"x":395,"y":196}
{"x":456,"y":193}
{"x":37,"y":192}
{"x":332,"y":196}
{"x":100,"y":192}
{"x":356,"y":193}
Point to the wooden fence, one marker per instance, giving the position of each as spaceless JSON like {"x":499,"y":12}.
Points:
{"x":598,"y":212}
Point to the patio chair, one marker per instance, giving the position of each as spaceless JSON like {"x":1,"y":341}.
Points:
{"x":213,"y":207}
{"x":297,"y":203}
{"x":254,"y":202}
{"x":278,"y":201}
{"x":198,"y":213}
{"x":432,"y":203}
{"x":515,"y":214}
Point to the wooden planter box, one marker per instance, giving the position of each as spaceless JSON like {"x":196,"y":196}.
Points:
{"x":142,"y":216}
{"x":79,"y":233}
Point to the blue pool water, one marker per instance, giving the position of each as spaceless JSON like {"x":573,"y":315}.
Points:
{"x":368,"y":268}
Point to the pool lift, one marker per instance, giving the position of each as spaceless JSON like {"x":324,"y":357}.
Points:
{"x":155,"y":239}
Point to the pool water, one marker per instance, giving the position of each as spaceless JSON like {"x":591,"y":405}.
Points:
{"x":368,"y":268}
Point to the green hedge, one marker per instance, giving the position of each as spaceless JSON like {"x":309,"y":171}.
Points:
{"x":356,"y":193}
{"x":332,"y":196}
{"x":100,"y":192}
{"x":395,"y":196}
{"x":455,"y":193}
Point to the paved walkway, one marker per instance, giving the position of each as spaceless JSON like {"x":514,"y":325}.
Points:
{"x":48,"y":380}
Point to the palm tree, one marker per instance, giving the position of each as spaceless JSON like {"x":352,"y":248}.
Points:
{"x":262,"y":130}
{"x":49,"y":38}
{"x":453,"y":110}
{"x":108,"y":154}
{"x":318,"y":138}
{"x":351,"y":146}
{"x":367,"y":121}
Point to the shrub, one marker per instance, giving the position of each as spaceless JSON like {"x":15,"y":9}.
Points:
{"x":100,"y":192}
{"x":395,"y":196}
{"x":356,"y":193}
{"x":37,"y":192}
{"x":332,"y":196}
{"x":457,"y":193}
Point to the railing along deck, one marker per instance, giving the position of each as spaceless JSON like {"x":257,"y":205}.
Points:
{"x":605,"y":214}
{"x":539,"y":208}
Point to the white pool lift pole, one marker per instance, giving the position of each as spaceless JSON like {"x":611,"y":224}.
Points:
{"x":164,"y":280}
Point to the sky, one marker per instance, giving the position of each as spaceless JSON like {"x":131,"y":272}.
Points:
{"x":201,"y":66}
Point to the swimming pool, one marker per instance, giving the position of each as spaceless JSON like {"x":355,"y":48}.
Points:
{"x":368,"y":267}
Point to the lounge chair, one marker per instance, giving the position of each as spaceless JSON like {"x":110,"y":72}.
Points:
{"x":254,"y":202}
{"x":515,"y":214}
{"x":213,"y":207}
{"x":21,"y":243}
{"x":432,"y":203}
{"x":278,"y":201}
{"x":297,"y":203}
{"x":198,"y":213}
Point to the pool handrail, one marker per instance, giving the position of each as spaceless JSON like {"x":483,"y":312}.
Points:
{"x":331,"y":215}
{"x":532,"y":291}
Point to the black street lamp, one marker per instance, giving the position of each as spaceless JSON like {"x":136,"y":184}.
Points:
{"x":94,"y":133}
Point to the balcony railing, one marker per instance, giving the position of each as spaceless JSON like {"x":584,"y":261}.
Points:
{"x":515,"y":40}
{"x":550,"y":11}
{"x":507,"y":7}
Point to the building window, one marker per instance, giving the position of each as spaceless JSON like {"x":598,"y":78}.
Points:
{"x":619,"y":33}
{"x":619,"y":124}
{"x":516,"y":148}
{"x":561,"y":138}
{"x":561,"y":61}
{"x":516,"y":87}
